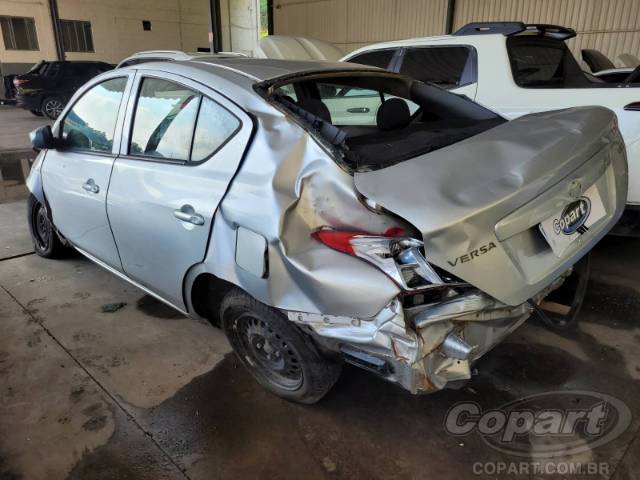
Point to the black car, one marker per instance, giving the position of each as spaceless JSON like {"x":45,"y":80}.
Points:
{"x":48,"y":86}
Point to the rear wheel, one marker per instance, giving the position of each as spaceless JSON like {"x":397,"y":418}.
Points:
{"x":280,"y":357}
{"x":45,"y":239}
{"x":52,"y":107}
{"x":37,"y":113}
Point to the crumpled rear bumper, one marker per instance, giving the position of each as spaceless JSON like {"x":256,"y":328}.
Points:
{"x":427,"y":348}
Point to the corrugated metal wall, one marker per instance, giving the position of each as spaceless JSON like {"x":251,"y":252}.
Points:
{"x":350,"y":24}
{"x":611,"y":26}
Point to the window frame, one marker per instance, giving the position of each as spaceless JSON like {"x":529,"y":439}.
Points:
{"x":58,"y":128}
{"x":27,"y":21}
{"x":76,"y":24}
{"x":469,"y":73}
{"x":131,"y":116}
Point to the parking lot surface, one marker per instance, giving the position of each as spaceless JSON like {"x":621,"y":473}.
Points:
{"x":101,"y":381}
{"x":16,"y":122}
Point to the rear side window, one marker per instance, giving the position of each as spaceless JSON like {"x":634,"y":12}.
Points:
{"x":52,"y":69}
{"x":164,"y":120}
{"x":447,"y":67}
{"x":91,"y":123}
{"x":174,"y":122}
{"x":216,"y":125}
{"x":379,"y":58}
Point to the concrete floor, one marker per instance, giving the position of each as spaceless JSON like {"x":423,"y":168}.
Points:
{"x":143,"y":393}
{"x":15,"y":125}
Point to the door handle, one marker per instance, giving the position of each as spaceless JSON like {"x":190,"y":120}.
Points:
{"x":187,"y":214}
{"x":90,"y":186}
{"x":358,"y":110}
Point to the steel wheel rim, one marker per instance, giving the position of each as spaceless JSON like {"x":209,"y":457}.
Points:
{"x":42,"y":230}
{"x":53,"y":108}
{"x":266,"y":351}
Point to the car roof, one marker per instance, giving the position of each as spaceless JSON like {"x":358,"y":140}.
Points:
{"x":258,"y":69}
{"x":179,"y":55}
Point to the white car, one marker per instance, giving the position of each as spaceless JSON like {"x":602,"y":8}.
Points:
{"x":514,"y":69}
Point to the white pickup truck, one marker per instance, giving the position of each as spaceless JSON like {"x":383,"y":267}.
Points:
{"x":514,"y":69}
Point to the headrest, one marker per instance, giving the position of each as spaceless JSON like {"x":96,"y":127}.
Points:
{"x":393,"y":114}
{"x":316,"y":107}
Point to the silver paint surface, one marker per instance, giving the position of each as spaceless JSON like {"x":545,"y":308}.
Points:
{"x":281,"y":182}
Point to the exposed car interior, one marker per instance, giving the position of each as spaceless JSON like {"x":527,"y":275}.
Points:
{"x":380,"y":120}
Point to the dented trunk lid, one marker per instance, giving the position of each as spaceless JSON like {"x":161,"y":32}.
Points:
{"x":478,"y":203}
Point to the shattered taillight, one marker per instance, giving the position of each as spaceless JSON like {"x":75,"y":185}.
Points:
{"x":397,"y":255}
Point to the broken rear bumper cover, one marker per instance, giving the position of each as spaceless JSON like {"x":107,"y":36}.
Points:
{"x":424,"y":349}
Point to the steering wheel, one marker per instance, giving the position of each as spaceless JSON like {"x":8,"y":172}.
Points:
{"x":634,"y":76}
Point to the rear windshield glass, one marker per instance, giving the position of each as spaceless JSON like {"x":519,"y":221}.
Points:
{"x":540,"y":62}
{"x":375,"y":121}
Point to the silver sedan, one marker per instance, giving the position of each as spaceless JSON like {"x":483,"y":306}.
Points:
{"x":326,"y":212}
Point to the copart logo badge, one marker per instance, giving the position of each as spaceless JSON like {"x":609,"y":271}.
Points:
{"x":545,"y":425}
{"x":573,"y":217}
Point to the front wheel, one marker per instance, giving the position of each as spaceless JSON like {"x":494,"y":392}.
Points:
{"x":45,"y":240}
{"x":279,"y":356}
{"x":52,"y":107}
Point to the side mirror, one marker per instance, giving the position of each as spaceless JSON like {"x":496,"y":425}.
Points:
{"x":42,"y":138}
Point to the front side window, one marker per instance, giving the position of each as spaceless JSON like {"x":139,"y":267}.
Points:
{"x":443,"y":66}
{"x":91,"y":123}
{"x":379,"y":58}
{"x":76,"y":36}
{"x":164,"y":120}
{"x":19,"y":33}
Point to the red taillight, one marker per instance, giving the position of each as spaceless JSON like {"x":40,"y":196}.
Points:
{"x":632,"y":107}
{"x":336,"y":239}
{"x":19,"y":81}
{"x":341,"y":240}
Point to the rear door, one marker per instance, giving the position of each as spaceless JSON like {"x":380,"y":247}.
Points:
{"x":183,"y":143}
{"x":76,"y":177}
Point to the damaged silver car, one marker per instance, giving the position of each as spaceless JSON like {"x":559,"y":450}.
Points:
{"x":326,"y":212}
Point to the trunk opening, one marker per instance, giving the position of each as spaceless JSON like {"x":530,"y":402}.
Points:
{"x":376,"y":120}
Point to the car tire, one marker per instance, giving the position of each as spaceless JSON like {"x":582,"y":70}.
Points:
{"x":46,"y":242}
{"x":279,"y":355}
{"x":37,"y":113}
{"x":52,"y":107}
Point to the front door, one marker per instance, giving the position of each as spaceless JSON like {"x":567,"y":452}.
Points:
{"x":76,"y":176}
{"x":177,"y":159}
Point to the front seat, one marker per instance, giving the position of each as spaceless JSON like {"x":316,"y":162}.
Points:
{"x":316,"y":107}
{"x":393,"y":114}
{"x":596,"y":60}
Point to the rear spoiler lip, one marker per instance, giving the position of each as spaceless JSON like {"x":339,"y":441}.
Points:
{"x":513,"y":28}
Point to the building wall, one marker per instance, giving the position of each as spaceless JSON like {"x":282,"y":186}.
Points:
{"x":351,"y":24}
{"x":612,"y":26}
{"x":38,"y":9}
{"x":116,"y":28}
